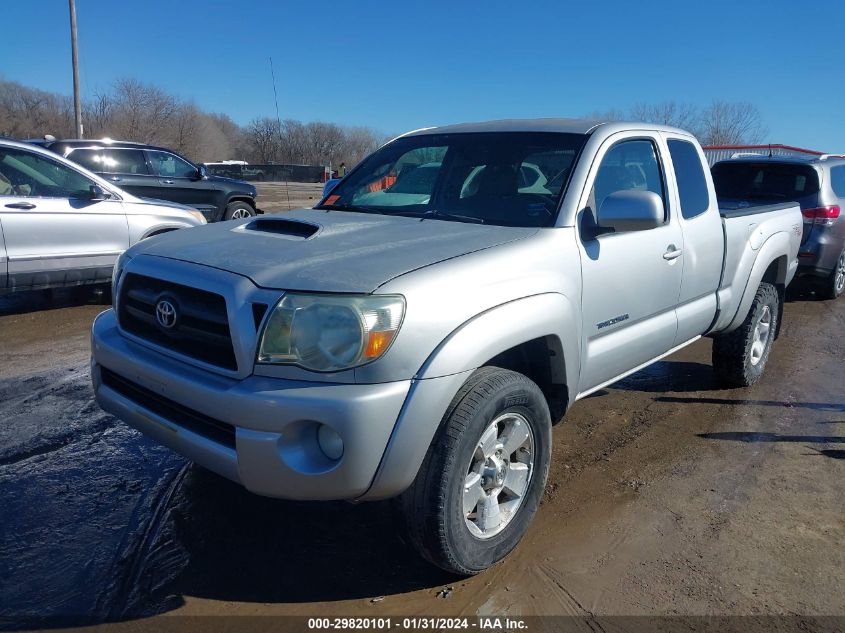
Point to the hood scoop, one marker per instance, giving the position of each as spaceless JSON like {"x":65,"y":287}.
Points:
{"x":281,"y":227}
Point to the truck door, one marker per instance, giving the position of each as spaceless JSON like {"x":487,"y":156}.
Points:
{"x":631,"y":279}
{"x":703,"y":237}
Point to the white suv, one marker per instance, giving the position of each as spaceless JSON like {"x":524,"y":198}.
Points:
{"x":61,"y":225}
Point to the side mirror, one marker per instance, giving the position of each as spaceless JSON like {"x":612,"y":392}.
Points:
{"x":330,"y":184}
{"x":96,"y":192}
{"x":631,"y":210}
{"x":202,"y":173}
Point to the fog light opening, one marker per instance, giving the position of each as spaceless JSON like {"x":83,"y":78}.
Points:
{"x":330,"y":442}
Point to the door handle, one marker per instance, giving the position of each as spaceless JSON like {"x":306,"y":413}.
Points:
{"x":672,"y":252}
{"x":20,"y":205}
{"x":167,"y":182}
{"x":115,"y":178}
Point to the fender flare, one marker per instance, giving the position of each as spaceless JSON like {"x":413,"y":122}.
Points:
{"x":775,"y":249}
{"x":467,"y":348}
{"x":505,"y":326}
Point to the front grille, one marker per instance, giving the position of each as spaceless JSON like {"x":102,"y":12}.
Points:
{"x":187,"y":418}
{"x":201,"y":330}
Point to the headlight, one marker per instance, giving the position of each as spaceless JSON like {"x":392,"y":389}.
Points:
{"x":198,"y":216}
{"x":330,"y":333}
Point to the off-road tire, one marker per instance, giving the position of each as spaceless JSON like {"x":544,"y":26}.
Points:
{"x":432,"y":508}
{"x":732,"y":360}
{"x":831,"y":287}
{"x":233,"y":208}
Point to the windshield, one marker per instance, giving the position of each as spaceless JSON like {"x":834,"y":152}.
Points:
{"x":764,"y":181}
{"x":501,"y":178}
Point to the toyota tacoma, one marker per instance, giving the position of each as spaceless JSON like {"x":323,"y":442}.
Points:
{"x":416,"y":334}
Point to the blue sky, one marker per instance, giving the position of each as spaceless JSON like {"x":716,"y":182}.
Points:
{"x":403,"y":65}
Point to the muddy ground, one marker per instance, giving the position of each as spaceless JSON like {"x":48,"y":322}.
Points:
{"x":666,"y":496}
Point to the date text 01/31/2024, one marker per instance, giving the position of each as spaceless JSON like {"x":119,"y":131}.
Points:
{"x":490,"y":624}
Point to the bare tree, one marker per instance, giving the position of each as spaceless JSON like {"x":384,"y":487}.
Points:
{"x":731,"y":123}
{"x":262,"y":138}
{"x":26,"y":112}
{"x":682,"y":115}
{"x":133,"y":111}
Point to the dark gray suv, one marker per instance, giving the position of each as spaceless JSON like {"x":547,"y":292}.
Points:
{"x":818,"y":185}
{"x":160,"y":173}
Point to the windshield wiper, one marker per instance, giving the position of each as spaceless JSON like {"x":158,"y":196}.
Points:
{"x":350,"y":207}
{"x":434,"y":214}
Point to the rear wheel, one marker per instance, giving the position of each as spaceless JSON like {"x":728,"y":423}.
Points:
{"x":739,"y":357}
{"x":834,"y":285}
{"x":481,"y":482}
{"x":238,"y":210}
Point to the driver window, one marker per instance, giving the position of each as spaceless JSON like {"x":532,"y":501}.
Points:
{"x":628,"y":165}
{"x":24,"y":174}
{"x":171,"y":166}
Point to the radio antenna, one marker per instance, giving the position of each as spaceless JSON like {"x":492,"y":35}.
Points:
{"x":279,"y":123}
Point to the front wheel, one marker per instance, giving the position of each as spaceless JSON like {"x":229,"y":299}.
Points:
{"x":739,"y":357}
{"x":483,"y":477}
{"x":238,"y":210}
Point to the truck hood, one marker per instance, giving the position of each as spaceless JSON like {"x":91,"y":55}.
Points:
{"x":327,"y":251}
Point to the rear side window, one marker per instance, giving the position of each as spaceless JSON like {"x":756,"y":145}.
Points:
{"x":689,"y":174}
{"x":837,"y":180}
{"x":770,"y":182}
{"x":170,"y":165}
{"x":111,"y":161}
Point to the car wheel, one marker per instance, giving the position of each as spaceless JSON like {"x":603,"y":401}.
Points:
{"x":834,"y":285}
{"x":238,"y":210}
{"x":483,"y":477}
{"x":739,"y":357}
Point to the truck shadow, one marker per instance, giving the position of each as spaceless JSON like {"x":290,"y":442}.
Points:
{"x":242,"y":547}
{"x":665,"y":375}
{"x":815,"y":406}
{"x":753,"y":436}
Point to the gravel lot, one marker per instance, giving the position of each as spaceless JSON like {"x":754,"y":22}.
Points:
{"x":666,"y":496}
{"x":274,"y":197}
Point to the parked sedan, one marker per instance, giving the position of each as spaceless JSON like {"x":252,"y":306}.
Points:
{"x":61,"y":225}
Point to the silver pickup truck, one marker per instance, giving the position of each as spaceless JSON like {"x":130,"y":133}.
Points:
{"x":416,"y":335}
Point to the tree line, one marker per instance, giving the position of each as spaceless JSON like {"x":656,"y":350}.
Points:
{"x":135,"y":111}
{"x":719,"y":123}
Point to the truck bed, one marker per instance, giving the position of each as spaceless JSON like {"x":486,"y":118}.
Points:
{"x":742,"y":208}
{"x":746,"y":230}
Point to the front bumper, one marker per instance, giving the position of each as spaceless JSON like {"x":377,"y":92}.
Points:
{"x":275,"y":451}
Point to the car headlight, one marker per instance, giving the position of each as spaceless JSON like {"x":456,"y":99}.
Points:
{"x":198,"y":216}
{"x":330,"y":332}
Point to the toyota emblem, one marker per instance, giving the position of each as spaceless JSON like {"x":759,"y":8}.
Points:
{"x":166,"y":314}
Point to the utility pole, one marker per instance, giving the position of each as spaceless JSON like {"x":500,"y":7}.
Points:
{"x":77,"y":106}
